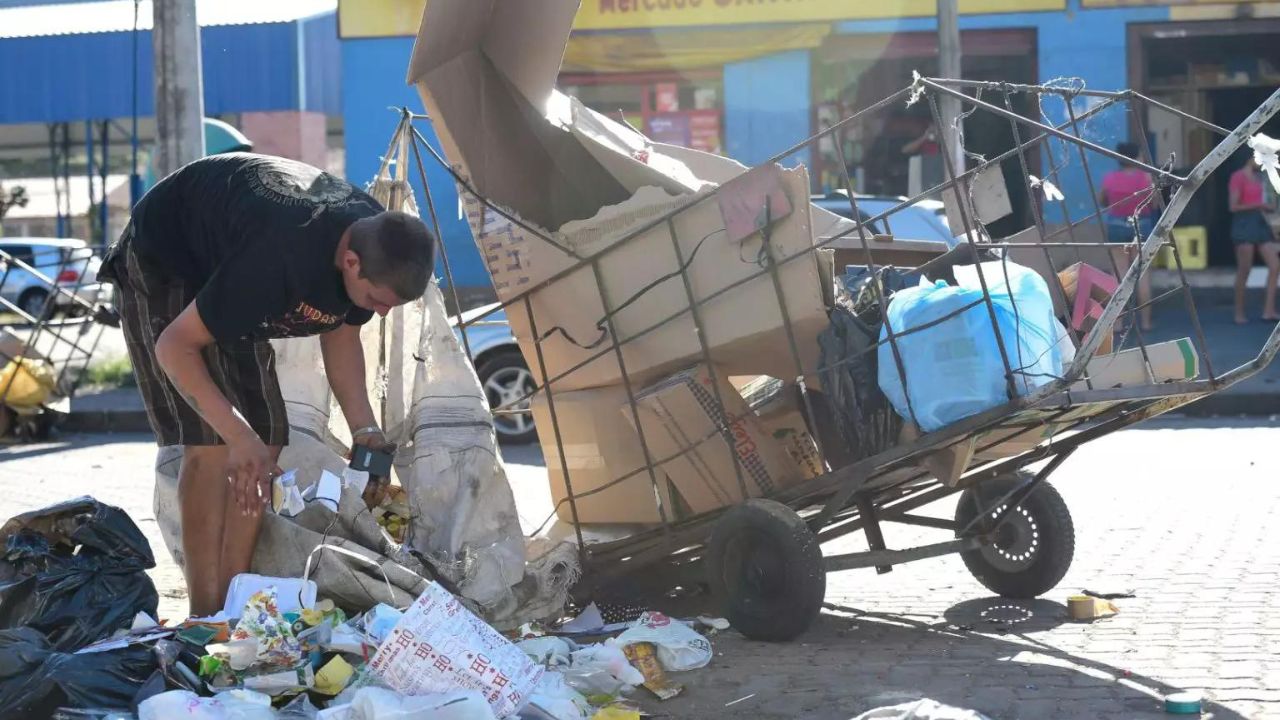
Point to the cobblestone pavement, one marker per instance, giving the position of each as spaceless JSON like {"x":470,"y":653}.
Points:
{"x":1183,"y":516}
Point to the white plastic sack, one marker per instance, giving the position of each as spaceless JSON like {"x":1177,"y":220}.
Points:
{"x":440,"y":646}
{"x":233,"y":705}
{"x":679,"y":647}
{"x":601,"y":669}
{"x":380,"y":704}
{"x":924,"y":709}
{"x":554,"y":698}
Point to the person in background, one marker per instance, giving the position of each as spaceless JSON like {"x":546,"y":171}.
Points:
{"x":1249,"y":230}
{"x":1128,"y":196}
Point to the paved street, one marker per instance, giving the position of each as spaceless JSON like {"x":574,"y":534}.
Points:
{"x":1182,"y":514}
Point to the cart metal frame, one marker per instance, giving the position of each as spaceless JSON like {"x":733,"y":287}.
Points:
{"x":73,"y":339}
{"x":889,"y":486}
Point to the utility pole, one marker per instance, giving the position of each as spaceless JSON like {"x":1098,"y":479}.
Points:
{"x":175,"y":39}
{"x":949,"y":68}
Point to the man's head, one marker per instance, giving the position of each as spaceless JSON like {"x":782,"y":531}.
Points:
{"x":1128,"y":149}
{"x":388,"y":261}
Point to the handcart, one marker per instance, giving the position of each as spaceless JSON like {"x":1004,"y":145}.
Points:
{"x":44,"y":356}
{"x":761,"y":556}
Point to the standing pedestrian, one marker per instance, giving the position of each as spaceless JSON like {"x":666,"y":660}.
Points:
{"x":1128,"y":194}
{"x":218,"y":258}
{"x":1249,"y":230}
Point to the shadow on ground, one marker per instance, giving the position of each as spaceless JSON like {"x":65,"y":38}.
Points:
{"x":14,"y":451}
{"x":987,"y":655}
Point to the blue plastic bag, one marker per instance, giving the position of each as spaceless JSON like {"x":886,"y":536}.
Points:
{"x":954,"y":368}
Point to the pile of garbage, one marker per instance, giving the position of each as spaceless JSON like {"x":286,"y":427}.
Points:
{"x":79,"y":638}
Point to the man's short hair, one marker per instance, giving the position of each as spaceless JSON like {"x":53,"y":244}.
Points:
{"x":396,"y":251}
{"x":1128,"y":149}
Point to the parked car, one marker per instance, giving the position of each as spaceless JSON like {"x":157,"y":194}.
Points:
{"x":924,"y":220}
{"x":503,"y":373}
{"x":69,"y":262}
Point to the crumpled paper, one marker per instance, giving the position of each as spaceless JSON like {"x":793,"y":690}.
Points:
{"x":262,"y":621}
{"x":1266,"y":153}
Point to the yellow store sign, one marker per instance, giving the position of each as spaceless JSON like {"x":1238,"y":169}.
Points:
{"x":390,"y":18}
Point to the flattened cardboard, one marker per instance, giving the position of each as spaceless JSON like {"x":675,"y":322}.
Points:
{"x":598,"y":448}
{"x":680,"y":417}
{"x":1170,"y":361}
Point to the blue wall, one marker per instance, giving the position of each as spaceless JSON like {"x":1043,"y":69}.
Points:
{"x":87,"y":77}
{"x":1086,"y":44}
{"x":767,"y":107}
{"x":374,"y":86}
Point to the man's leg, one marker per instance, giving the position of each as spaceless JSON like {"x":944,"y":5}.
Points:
{"x":202,"y":496}
{"x":240,"y":536}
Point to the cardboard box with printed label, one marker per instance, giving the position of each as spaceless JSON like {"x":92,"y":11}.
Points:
{"x":681,"y":419}
{"x":599,"y":448}
{"x":779,"y":410}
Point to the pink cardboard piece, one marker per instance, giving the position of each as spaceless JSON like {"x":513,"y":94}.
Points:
{"x":1089,"y":278}
{"x":752,"y":201}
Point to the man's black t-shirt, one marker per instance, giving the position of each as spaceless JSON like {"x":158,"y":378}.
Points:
{"x":257,"y":235}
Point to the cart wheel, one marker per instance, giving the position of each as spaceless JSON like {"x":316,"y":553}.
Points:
{"x":1032,"y":549}
{"x":765,"y":568}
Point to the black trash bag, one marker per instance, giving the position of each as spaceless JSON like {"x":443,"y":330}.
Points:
{"x":36,"y":680}
{"x":848,"y":365}
{"x":75,"y":571}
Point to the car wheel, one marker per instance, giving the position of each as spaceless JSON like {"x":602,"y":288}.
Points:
{"x":506,"y":378}
{"x":35,"y":302}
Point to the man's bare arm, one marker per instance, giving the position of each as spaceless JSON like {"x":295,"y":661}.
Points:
{"x":249,"y":463}
{"x":344,"y":366}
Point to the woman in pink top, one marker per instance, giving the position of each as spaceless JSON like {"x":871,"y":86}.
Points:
{"x":1128,"y":196}
{"x":1250,"y":229}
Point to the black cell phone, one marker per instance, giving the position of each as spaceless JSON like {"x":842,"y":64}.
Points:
{"x":376,"y":462}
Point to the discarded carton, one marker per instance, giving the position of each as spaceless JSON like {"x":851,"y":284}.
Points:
{"x":641,"y":281}
{"x":1086,"y":307}
{"x":1170,"y":361}
{"x":779,"y":410}
{"x":682,"y":420}
{"x":1025,"y":250}
{"x":598,"y":450}
{"x":487,"y":71}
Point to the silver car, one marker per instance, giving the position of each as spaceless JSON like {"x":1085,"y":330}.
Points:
{"x":503,"y":373}
{"x":66,"y":262}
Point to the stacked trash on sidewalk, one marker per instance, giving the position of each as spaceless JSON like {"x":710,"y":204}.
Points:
{"x":79,"y":638}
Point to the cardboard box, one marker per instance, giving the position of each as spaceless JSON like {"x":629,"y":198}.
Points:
{"x":1102,"y":256}
{"x":779,"y":410}
{"x":1170,"y":361}
{"x":598,"y":450}
{"x":682,"y":420}
{"x":642,"y":282}
{"x":579,"y":182}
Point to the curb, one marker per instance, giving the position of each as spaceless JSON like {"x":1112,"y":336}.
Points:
{"x":105,"y":421}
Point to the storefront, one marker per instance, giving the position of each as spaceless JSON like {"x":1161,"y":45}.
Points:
{"x":1219,"y":70}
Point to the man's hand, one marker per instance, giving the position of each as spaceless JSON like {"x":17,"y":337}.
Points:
{"x":250,"y":469}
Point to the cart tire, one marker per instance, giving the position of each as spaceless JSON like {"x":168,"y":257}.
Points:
{"x":765,"y":570}
{"x":1032,"y":550}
